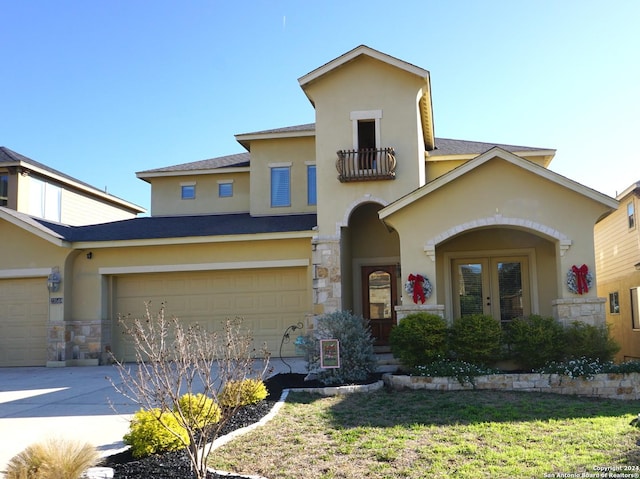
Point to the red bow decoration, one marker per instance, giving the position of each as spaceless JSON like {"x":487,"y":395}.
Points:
{"x":581,"y":278}
{"x":418,"y":290}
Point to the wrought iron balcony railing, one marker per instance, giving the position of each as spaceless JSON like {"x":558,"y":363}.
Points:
{"x":366,"y":164}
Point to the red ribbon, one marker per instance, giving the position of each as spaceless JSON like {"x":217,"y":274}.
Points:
{"x":418,"y":290}
{"x":581,"y":278}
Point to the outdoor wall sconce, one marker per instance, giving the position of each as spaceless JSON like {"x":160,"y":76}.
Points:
{"x":53,"y":281}
{"x":89,"y":255}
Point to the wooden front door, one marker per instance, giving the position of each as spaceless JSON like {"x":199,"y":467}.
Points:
{"x":379,"y":298}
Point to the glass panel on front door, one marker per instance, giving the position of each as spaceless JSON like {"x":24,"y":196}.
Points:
{"x":469,"y":288}
{"x":510,"y":289}
{"x":379,"y":295}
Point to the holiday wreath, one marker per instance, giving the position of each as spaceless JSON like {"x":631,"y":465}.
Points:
{"x":579,"y":279}
{"x":419,"y":287}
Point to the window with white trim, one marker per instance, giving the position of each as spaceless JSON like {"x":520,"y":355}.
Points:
{"x":225,"y":189}
{"x":631,"y":215}
{"x":280,"y":186}
{"x":366,"y":129}
{"x":312,"y":193}
{"x":44,"y":200}
{"x":188,"y":191}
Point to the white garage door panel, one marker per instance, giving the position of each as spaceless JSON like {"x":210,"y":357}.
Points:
{"x":23,"y":322}
{"x":268,"y":301}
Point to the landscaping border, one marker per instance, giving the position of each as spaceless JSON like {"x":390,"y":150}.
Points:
{"x":624,"y":386}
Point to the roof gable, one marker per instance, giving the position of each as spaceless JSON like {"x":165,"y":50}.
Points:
{"x":497,"y":152}
{"x":355,"y":53}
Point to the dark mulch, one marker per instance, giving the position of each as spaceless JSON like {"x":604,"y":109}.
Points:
{"x":176,"y":464}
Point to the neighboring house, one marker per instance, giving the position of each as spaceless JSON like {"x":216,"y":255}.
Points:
{"x":32,"y":188}
{"x":617,"y":247}
{"x":334,"y":215}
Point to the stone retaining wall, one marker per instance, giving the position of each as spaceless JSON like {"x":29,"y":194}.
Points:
{"x":612,"y":386}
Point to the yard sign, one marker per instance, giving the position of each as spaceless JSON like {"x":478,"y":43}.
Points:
{"x":329,"y":353}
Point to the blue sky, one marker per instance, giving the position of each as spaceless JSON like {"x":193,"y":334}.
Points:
{"x":102,"y":89}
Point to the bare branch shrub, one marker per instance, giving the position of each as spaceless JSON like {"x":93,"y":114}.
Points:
{"x":174,"y":360}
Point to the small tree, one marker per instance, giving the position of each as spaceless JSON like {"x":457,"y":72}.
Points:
{"x":174,"y":360}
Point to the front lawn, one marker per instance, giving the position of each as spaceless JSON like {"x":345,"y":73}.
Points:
{"x":420,"y":434}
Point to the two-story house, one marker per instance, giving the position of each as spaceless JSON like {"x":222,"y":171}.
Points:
{"x":334,"y":215}
{"x":617,"y":246}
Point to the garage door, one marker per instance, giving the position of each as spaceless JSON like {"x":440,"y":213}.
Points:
{"x":268,"y":300}
{"x":23,"y":322}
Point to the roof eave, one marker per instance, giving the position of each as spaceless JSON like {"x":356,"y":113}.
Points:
{"x":205,"y":171}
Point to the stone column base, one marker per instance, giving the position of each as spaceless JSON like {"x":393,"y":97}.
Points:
{"x":587,"y":310}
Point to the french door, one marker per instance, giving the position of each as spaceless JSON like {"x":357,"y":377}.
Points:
{"x":496,"y":285}
{"x":379,"y":298}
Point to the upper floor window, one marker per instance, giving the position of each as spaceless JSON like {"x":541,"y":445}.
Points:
{"x":366,"y":129}
{"x":225,"y":189}
{"x":631,"y":216}
{"x":4,"y":190}
{"x":280,"y":185}
{"x":312,"y":194}
{"x":44,"y":200}
{"x":188,"y":191}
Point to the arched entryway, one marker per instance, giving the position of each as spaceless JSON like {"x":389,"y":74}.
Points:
{"x":500,"y":271}
{"x":371,"y":271}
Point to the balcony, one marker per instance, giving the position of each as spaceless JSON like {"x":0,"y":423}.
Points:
{"x":366,"y":165}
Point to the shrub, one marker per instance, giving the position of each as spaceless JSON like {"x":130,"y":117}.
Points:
{"x":357,"y":358}
{"x":198,"y":410}
{"x":153,"y":431}
{"x":535,"y":341}
{"x":242,"y":393}
{"x":52,"y":459}
{"x":592,"y":342}
{"x":419,"y":339}
{"x":476,"y":338}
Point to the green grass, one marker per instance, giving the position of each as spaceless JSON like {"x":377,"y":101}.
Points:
{"x":420,"y":434}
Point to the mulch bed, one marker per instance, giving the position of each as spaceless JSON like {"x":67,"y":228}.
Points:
{"x":176,"y":464}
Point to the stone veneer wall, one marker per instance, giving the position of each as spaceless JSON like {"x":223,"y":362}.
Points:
{"x":588,"y":310}
{"x":403,"y":311}
{"x":327,"y":284}
{"x":611,"y":386}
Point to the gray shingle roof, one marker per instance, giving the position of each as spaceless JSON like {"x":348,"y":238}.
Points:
{"x":157,"y":227}
{"x":229,"y":161}
{"x":444,"y":146}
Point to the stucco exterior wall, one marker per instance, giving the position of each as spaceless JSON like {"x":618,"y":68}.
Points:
{"x":499,"y":193}
{"x":166,"y":194}
{"x":294,"y":152}
{"x":362,"y":85}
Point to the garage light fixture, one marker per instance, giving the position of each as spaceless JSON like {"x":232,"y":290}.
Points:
{"x":53,"y":281}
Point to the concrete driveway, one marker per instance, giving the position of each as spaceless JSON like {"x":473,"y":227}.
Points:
{"x":73,"y":402}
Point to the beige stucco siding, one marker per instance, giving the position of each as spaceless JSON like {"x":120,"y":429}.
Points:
{"x":296,"y":153}
{"x":365,"y":84}
{"x":166,"y":194}
{"x":502,"y":193}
